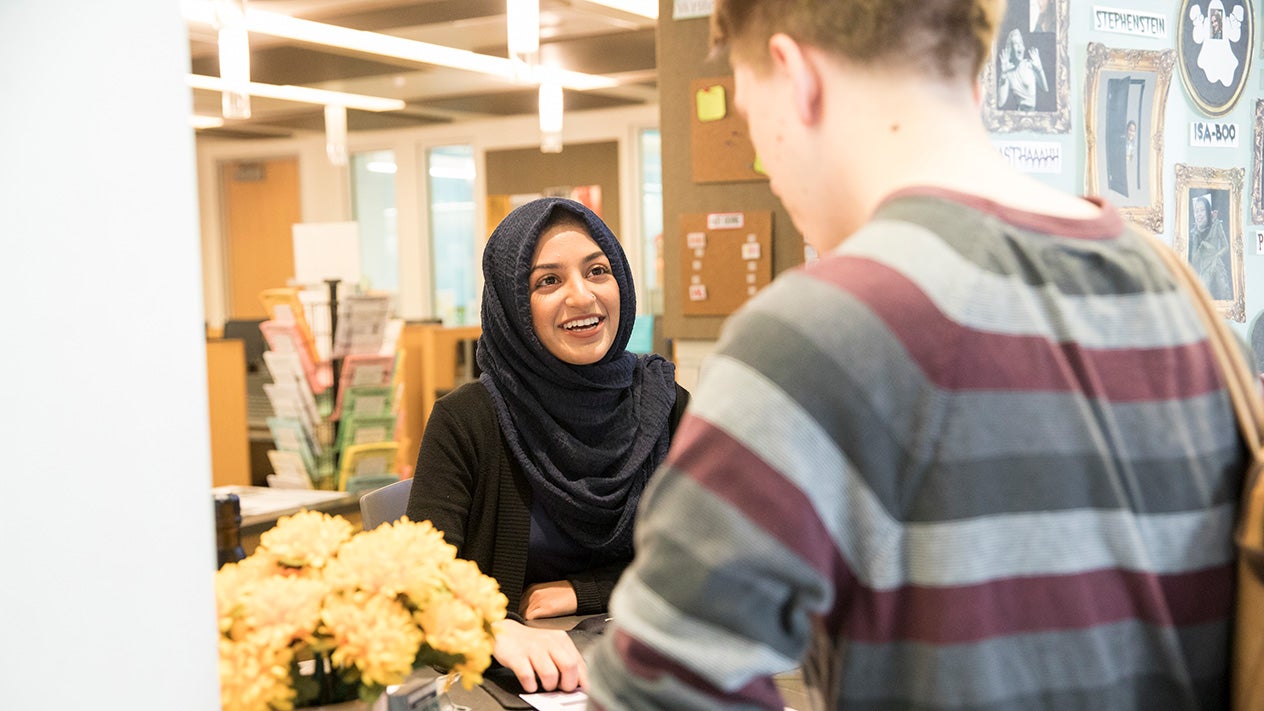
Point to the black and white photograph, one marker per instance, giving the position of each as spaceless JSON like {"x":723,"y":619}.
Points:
{"x":1026,"y":83}
{"x":1216,"y":43}
{"x":1209,"y":232}
{"x":1125,"y":92}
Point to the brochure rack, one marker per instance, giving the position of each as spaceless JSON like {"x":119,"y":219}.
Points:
{"x":335,"y":419}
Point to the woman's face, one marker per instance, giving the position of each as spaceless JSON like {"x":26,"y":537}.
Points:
{"x":1200,"y":213}
{"x":574,"y":296}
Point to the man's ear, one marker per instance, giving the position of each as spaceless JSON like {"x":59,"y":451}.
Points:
{"x":801,"y":70}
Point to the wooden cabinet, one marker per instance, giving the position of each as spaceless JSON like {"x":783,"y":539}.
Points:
{"x":437,"y":358}
{"x":226,"y":399}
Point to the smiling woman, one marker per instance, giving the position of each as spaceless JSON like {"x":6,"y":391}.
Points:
{"x":534,"y":471}
{"x":574,"y":295}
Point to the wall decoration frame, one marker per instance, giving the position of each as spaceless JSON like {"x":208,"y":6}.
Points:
{"x":1257,"y":167}
{"x":1041,"y":28}
{"x":1209,"y":232}
{"x":1215,"y":43}
{"x":1125,"y":94}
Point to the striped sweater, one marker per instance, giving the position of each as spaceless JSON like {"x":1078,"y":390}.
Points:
{"x":974,"y":458}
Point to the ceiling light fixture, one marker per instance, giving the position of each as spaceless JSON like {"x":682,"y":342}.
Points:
{"x":550,"y":117}
{"x":302,"y":94}
{"x":522,"y":26}
{"x":336,"y":134}
{"x":644,"y":8}
{"x":234,"y":56}
{"x":277,"y":25}
{"x":197,"y":121}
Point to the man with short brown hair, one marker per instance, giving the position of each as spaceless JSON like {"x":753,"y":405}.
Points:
{"x":977,"y":456}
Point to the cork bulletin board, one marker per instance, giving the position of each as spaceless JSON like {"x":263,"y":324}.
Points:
{"x":725,"y":258}
{"x":719,"y":141}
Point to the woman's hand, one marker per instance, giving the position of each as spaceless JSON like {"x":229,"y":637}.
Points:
{"x":548,"y":600}
{"x":548,"y":654}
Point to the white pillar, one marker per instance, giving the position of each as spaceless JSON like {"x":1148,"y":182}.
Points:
{"x":107,"y":529}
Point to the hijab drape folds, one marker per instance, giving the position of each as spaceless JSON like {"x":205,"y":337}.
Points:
{"x":586,"y":436}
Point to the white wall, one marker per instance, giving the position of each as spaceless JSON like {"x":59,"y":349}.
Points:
{"x":108,"y":528}
{"x":325,"y":191}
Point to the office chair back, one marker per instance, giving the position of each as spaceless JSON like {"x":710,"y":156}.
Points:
{"x":386,"y":504}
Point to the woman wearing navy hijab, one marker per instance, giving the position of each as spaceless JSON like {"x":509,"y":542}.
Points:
{"x":534,"y":470}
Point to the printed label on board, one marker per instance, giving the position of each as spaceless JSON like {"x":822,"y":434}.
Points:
{"x":685,"y":9}
{"x":1032,"y":156}
{"x":725,"y":220}
{"x":696,"y":240}
{"x":1129,"y":22}
{"x":1213,"y":134}
{"x":750,"y":250}
{"x":697,"y":292}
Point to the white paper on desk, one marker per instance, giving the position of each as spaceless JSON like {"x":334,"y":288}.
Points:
{"x":557,"y":700}
{"x":257,"y":500}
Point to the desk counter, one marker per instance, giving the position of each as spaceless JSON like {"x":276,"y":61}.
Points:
{"x":479,"y":699}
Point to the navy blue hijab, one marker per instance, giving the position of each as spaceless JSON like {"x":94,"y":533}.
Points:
{"x":586,"y":436}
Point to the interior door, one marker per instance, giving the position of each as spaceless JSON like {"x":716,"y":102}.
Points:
{"x":261,"y":204}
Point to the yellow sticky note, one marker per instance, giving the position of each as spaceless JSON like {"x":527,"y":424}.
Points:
{"x":711,"y":103}
{"x":759,"y":166}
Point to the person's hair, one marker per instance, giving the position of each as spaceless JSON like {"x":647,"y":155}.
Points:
{"x":948,"y":38}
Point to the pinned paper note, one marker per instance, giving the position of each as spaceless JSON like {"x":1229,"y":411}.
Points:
{"x":711,"y":105}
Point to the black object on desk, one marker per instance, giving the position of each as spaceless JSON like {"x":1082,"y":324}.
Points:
{"x":228,"y":529}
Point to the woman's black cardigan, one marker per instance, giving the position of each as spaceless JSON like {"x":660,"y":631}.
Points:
{"x":467,"y":485}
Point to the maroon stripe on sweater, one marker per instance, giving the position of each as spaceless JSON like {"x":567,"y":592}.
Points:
{"x":957,"y":357}
{"x":766,"y":498}
{"x":645,"y":662}
{"x":955,"y":615}
{"x":1108,"y":224}
{"x":750,"y":485}
{"x":946,"y":614}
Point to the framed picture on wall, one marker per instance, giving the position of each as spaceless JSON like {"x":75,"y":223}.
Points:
{"x":1124,"y":96}
{"x":1257,"y":167}
{"x":1026,"y":84}
{"x":1215,"y":43}
{"x":1209,"y":232}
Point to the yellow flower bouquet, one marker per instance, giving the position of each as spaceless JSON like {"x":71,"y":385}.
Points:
{"x":360,"y":610}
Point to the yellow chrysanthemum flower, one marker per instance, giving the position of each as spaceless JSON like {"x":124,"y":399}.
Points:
{"x":473,"y":588}
{"x":368,"y":600}
{"x":374,"y":634}
{"x":308,"y":539}
{"x":283,"y":609}
{"x":254,"y":676}
{"x":403,"y":558}
{"x":454,"y":627}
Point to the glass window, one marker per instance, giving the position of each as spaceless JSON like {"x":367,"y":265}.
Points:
{"x":450,"y":171}
{"x":652,"y":218}
{"x":373,"y":207}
